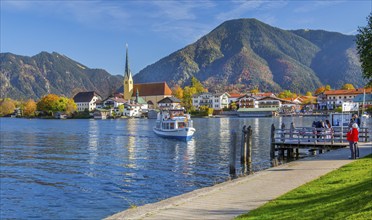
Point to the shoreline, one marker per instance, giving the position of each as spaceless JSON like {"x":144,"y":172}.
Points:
{"x":257,"y":185}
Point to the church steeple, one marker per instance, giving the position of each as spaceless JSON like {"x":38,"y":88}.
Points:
{"x":128,"y":80}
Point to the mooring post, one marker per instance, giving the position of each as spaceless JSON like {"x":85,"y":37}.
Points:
{"x":282,"y":132}
{"x":291,"y":130}
{"x":233,"y":153}
{"x":249,"y":149}
{"x":272,"y":139}
{"x":243,"y":145}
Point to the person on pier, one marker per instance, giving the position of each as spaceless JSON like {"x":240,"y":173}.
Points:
{"x":353,"y":138}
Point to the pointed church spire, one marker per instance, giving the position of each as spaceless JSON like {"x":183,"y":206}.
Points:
{"x":128,"y":80}
{"x":127,"y":70}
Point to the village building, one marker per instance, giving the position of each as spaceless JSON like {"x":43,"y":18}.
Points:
{"x":334,"y":98}
{"x":256,"y":105}
{"x":234,"y":97}
{"x":86,"y":100}
{"x":216,"y":101}
{"x":169,"y":103}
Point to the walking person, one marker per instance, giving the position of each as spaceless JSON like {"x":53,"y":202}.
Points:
{"x":353,"y":138}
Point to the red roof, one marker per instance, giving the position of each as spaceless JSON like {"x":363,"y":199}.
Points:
{"x":152,"y":89}
{"x":235,"y":95}
{"x":348,"y":92}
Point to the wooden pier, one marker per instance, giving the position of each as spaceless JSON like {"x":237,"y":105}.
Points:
{"x":313,"y":139}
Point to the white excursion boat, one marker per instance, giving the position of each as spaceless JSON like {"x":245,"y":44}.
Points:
{"x":174,"y":124}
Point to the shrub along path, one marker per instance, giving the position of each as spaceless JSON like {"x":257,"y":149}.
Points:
{"x":230,"y":199}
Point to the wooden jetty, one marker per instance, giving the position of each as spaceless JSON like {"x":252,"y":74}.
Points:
{"x":313,"y":139}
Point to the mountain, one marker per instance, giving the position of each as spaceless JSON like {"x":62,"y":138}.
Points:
{"x":247,"y":54}
{"x":23,"y":77}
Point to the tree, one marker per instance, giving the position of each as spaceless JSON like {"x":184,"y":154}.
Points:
{"x":347,"y":86}
{"x":188,"y":92}
{"x":177,"y":91}
{"x":255,"y":91}
{"x":309,"y":94}
{"x":364,"y":47}
{"x":29,"y":108}
{"x":287,"y":94}
{"x":49,"y":103}
{"x":69,"y":105}
{"x":7,"y":107}
{"x":197,"y":85}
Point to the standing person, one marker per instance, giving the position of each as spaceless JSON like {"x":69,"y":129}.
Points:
{"x":329,"y":130}
{"x":357,"y":120}
{"x":353,"y":138}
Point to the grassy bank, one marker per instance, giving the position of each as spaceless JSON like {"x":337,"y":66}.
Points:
{"x":342,"y":194}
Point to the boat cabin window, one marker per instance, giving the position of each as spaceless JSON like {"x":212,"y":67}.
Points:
{"x":181,"y":124}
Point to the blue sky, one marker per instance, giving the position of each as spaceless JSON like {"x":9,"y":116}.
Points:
{"x":95,"y":32}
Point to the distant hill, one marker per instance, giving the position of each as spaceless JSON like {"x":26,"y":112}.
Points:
{"x":239,"y":54}
{"x":247,"y":54}
{"x":23,"y":77}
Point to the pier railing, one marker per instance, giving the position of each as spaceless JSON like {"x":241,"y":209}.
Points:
{"x":294,"y":138}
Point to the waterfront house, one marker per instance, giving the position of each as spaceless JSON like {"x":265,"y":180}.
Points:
{"x":86,"y":100}
{"x":216,"y":101}
{"x":234,"y":97}
{"x":132,"y":109}
{"x":334,"y":98}
{"x":169,"y":103}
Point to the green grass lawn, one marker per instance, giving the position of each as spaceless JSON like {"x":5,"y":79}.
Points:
{"x":345,"y":193}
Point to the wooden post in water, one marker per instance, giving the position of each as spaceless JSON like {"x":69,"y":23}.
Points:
{"x":274,"y":161}
{"x":272,"y":139}
{"x":233,"y":146}
{"x":282,"y":132}
{"x":249,"y":150}
{"x":243,"y":148}
{"x":291,"y":130}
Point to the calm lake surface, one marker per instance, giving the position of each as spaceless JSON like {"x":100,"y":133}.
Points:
{"x":69,"y":169}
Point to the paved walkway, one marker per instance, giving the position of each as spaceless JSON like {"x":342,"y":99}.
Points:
{"x":232,"y":198}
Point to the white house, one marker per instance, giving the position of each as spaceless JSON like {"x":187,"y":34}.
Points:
{"x":334,"y":98}
{"x":215,"y":101}
{"x":169,"y":103}
{"x":132,"y":110}
{"x":86,"y":100}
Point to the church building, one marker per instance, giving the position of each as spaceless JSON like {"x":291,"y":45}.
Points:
{"x":152,"y":93}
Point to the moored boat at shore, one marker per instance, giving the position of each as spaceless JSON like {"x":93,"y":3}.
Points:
{"x":174,"y":124}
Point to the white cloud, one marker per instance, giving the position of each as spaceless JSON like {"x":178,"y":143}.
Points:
{"x":309,"y":6}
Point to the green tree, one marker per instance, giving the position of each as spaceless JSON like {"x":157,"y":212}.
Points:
{"x":309,"y":94}
{"x":347,"y":86}
{"x":197,"y":85}
{"x":7,"y":107}
{"x":67,"y":105}
{"x":188,"y":93}
{"x":327,"y":87}
{"x":49,"y":103}
{"x":364,"y":47}
{"x":29,"y":108}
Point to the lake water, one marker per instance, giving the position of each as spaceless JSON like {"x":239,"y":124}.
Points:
{"x":64,"y":169}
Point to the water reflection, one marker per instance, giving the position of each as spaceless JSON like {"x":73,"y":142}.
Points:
{"x":95,"y":168}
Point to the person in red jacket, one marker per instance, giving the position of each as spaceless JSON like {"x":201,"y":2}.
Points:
{"x":353,"y":138}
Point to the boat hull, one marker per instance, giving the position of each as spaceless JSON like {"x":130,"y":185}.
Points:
{"x":180,"y":134}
